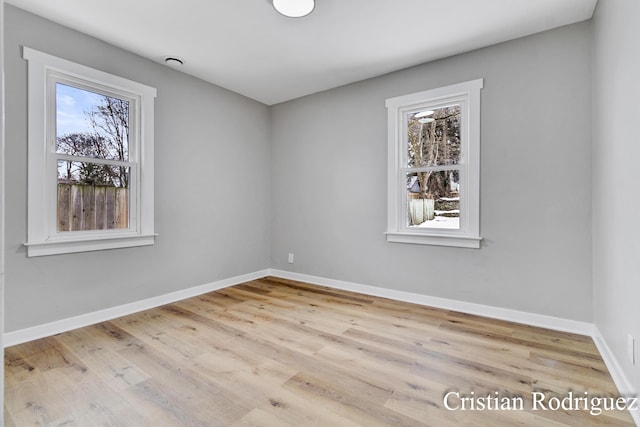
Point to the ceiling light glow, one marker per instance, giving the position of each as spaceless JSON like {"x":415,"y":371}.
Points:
{"x":294,"y":8}
{"x":423,"y":114}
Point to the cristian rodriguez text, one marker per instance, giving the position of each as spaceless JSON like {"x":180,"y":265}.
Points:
{"x":595,"y":405}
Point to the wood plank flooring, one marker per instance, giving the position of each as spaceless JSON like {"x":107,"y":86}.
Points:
{"x":274,"y":352}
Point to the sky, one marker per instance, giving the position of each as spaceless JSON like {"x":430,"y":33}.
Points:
{"x":71,"y":105}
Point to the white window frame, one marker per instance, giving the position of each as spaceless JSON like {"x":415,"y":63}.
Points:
{"x":466,"y":94}
{"x":44,"y":71}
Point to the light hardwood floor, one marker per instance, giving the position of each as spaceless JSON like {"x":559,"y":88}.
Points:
{"x":274,"y":352}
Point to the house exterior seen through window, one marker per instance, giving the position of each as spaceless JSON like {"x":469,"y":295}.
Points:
{"x":433,"y":166}
{"x":90,"y":158}
{"x":433,"y":171}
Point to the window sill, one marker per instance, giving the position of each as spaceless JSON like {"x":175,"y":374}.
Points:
{"x":55,"y":247}
{"x":435,"y":239}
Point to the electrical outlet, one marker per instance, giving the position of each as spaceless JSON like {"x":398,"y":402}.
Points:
{"x":631,"y":349}
{"x":290,"y":259}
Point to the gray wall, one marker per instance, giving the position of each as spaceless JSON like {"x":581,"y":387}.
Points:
{"x":239,"y":185}
{"x":218,"y":214}
{"x":329,"y":181}
{"x":212,"y":187}
{"x":616,"y":150}
{"x":1,"y":205}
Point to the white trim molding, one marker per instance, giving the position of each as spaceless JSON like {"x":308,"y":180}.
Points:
{"x":405,"y":108}
{"x":539,"y":320}
{"x":532,"y":319}
{"x":617,"y":374}
{"x":45,"y":73}
{"x":59,"y":326}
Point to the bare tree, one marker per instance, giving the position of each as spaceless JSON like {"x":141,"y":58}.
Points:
{"x":110,"y":121}
{"x":109,"y":140}
{"x":434,"y":141}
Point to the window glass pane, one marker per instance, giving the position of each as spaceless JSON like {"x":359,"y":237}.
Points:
{"x":433,"y":199}
{"x":92,"y":196}
{"x":433,"y":137}
{"x":90,"y":124}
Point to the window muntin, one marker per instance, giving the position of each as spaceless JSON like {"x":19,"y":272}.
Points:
{"x":432,"y":141}
{"x":84,"y":206}
{"x":91,"y":152}
{"x":80,"y":111}
{"x":433,"y":170}
{"x":439,"y":208}
{"x":433,"y":136}
{"x":104,"y":148}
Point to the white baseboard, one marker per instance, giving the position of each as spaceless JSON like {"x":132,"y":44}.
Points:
{"x":549,"y":322}
{"x":556,"y":323}
{"x":619,"y":378}
{"x":539,"y":320}
{"x":59,"y":326}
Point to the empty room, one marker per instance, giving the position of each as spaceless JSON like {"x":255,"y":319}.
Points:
{"x":319,"y":213}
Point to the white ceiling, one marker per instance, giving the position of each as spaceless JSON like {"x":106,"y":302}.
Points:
{"x":247,"y":47}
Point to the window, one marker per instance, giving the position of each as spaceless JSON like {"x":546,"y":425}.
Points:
{"x":434,"y":166}
{"x":90,"y":158}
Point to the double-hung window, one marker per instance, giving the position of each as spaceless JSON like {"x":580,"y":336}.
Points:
{"x":434,"y":166}
{"x":90,"y":158}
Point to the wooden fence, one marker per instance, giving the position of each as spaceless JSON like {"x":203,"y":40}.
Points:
{"x":92,"y":207}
